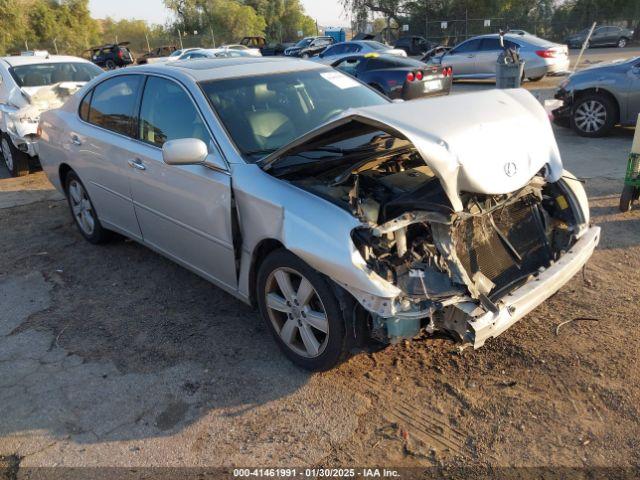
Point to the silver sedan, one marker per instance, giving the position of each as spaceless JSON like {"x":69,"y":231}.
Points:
{"x":476,"y":58}
{"x":337,"y":213}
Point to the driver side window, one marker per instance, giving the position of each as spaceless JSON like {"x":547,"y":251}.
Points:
{"x":349,"y":66}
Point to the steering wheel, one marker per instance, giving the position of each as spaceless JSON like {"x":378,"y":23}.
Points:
{"x":332,"y":113}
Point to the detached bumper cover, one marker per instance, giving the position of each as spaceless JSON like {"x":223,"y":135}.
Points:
{"x":526,"y":298}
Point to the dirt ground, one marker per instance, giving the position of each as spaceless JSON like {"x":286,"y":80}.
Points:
{"x":114,"y":356}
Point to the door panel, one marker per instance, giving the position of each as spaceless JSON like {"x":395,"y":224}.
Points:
{"x":463,"y":58}
{"x":183,"y":211}
{"x":100,"y":154}
{"x":631,"y":110}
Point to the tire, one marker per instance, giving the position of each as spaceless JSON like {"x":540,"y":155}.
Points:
{"x":17,"y":162}
{"x":593,"y":115}
{"x":304,"y":56}
{"x":83,"y":212}
{"x":290,"y":323}
{"x":110,"y":65}
{"x":622,"y":42}
{"x":536,"y":79}
{"x":629,"y":194}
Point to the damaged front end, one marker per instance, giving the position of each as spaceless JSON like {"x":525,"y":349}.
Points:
{"x":467,"y":262}
{"x":24,"y":107}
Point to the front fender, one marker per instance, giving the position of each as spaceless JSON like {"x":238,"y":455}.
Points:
{"x":312,"y":228}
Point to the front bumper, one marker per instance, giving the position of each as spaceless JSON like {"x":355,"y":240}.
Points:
{"x":526,"y":298}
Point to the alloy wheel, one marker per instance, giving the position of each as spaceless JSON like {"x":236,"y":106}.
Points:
{"x":622,"y":43}
{"x":8,"y":156}
{"x":296,"y":312}
{"x":81,"y":207}
{"x":590,"y":116}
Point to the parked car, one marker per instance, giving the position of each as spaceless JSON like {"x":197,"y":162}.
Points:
{"x":477,"y":57}
{"x":160,"y":52}
{"x":266,"y":49}
{"x":397,"y":77}
{"x":600,"y":97}
{"x":251,"y":51}
{"x":223,"y":52}
{"x":309,"y":47}
{"x":30,"y":85}
{"x":111,"y":56}
{"x":344,"y":49}
{"x":414,"y":45}
{"x":604,"y":36}
{"x":344,"y":217}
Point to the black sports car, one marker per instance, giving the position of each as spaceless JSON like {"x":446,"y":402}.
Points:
{"x":309,"y":47}
{"x":398,"y":77}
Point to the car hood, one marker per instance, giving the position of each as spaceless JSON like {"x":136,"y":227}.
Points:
{"x":490,"y":142}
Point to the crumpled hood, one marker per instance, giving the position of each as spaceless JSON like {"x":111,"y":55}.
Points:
{"x":51,"y":96}
{"x":32,"y":101}
{"x":490,"y":142}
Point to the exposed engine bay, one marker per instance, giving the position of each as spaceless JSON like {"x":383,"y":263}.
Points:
{"x":412,"y":237}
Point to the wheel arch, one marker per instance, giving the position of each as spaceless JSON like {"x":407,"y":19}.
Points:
{"x":63,"y":172}
{"x":260,"y":252}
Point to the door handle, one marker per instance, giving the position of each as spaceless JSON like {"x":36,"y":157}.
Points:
{"x":137,"y":164}
{"x":76,"y":140}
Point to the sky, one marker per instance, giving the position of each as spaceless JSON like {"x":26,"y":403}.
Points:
{"x":326,"y":12}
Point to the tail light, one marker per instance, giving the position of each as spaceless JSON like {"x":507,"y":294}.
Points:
{"x":410,"y":77}
{"x":546,"y":53}
{"x":39,"y":131}
{"x":419,"y":75}
{"x":447,"y":71}
{"x":120,"y":54}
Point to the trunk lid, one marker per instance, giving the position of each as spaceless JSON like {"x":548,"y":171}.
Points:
{"x":492,"y":142}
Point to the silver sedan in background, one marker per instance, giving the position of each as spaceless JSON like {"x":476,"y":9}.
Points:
{"x":308,"y":194}
{"x":476,"y":58}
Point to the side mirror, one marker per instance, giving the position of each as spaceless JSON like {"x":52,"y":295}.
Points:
{"x":186,"y":151}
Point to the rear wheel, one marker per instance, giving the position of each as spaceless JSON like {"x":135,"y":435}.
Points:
{"x":623,"y":42}
{"x":629,"y":194}
{"x":536,"y":79}
{"x":110,"y":64}
{"x":17,"y":162}
{"x":593,"y":115}
{"x":301,"y":311}
{"x":83,"y":212}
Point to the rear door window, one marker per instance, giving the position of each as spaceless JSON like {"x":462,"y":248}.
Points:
{"x":469,"y":46}
{"x":114,"y":102}
{"x":490,"y":45}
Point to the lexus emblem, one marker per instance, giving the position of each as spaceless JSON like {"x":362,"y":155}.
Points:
{"x":510,"y":169}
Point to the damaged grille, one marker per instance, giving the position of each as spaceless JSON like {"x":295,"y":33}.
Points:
{"x":505,"y":245}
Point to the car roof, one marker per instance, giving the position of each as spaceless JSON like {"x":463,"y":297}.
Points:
{"x":217,"y":69}
{"x":16,"y":61}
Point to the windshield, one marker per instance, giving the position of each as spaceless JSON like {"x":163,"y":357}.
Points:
{"x":39,"y":75}
{"x":304,"y":42}
{"x":263,"y":114}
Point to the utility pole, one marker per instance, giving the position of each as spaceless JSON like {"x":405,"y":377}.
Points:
{"x":180,"y":37}
{"x":426,"y":19}
{"x":147,"y":38}
{"x":213,"y":37}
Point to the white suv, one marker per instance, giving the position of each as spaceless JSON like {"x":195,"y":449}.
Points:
{"x":30,"y":84}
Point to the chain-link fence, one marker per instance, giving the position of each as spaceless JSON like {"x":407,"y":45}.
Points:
{"x":453,"y":31}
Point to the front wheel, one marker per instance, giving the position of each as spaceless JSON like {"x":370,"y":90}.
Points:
{"x":17,"y":162}
{"x":83,"y":212}
{"x":302,"y":312}
{"x":593,"y":115}
{"x":536,"y":79}
{"x":305,"y":56}
{"x":623,"y":42}
{"x":110,"y":65}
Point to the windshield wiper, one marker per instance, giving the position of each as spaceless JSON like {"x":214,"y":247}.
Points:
{"x":262,"y":152}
